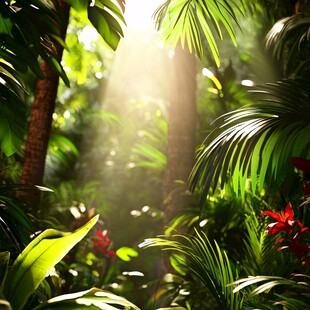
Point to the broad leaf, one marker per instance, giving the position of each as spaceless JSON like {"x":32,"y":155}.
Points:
{"x":107,"y":26}
{"x":33,"y":264}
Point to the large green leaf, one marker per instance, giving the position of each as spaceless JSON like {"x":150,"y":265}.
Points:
{"x":107,"y":26}
{"x":33,"y":264}
{"x":92,"y":299}
{"x":256,"y":142}
{"x":105,"y":16}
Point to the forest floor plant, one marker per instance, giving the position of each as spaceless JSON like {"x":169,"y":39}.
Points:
{"x":269,"y":269}
{"x":28,"y":277}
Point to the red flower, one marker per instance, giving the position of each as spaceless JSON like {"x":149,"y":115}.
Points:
{"x":284,"y":220}
{"x":297,"y":247}
{"x":102,"y":242}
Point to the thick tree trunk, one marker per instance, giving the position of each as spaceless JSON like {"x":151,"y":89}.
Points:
{"x":181,"y":140}
{"x":181,"y":134}
{"x":40,"y":124}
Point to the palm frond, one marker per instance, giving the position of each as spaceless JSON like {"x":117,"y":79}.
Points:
{"x":257,"y":140}
{"x":151,"y":157}
{"x":191,"y":22}
{"x":93,"y":298}
{"x":297,"y":287}
{"x":288,"y":40}
{"x":28,"y":31}
{"x":206,"y":262}
{"x":260,"y":252}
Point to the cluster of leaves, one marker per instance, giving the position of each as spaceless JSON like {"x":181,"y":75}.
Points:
{"x":29,"y":31}
{"x":27,"y":280}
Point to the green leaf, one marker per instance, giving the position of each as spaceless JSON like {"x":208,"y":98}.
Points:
{"x":191,"y":22}
{"x":12,"y":120}
{"x":257,"y":141}
{"x":79,"y":5}
{"x":92,"y":299}
{"x":106,"y":25}
{"x":112,"y":7}
{"x":126,"y":253}
{"x":57,"y":67}
{"x":33,"y":264}
{"x":206,"y":262}
{"x":18,"y":216}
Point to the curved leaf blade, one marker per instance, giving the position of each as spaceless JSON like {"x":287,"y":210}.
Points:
{"x":32,"y":265}
{"x":91,"y":299}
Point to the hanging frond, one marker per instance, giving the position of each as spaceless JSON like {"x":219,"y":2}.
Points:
{"x":190,"y":22}
{"x":28,"y":31}
{"x":206,"y":262}
{"x":288,"y":41}
{"x":257,"y":141}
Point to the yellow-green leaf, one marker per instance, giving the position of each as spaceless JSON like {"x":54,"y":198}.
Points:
{"x":34,"y":263}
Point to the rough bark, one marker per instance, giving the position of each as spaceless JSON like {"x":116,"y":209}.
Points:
{"x":181,"y":134}
{"x":40,"y":124}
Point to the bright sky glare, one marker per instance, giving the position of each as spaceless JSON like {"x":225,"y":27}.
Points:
{"x":138,"y":13}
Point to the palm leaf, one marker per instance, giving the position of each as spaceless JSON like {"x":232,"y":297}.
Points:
{"x":207,"y":263}
{"x":288,"y":41}
{"x":28,"y":31}
{"x":260,"y":249}
{"x":61,"y":153}
{"x":92,"y":299}
{"x":190,"y":22}
{"x":151,"y":156}
{"x":297,"y":288}
{"x":12,"y":119}
{"x":253,"y":141}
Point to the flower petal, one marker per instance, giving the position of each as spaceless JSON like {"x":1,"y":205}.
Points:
{"x":272,"y":214}
{"x":289,"y":211}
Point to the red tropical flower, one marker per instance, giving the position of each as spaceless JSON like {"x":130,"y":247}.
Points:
{"x":284,"y":220}
{"x":102,"y":242}
{"x":297,"y":247}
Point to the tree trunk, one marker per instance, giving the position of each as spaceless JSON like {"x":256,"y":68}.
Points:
{"x":182,"y":123}
{"x":181,"y":134}
{"x":40,"y":124}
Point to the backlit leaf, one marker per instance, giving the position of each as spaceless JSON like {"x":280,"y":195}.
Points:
{"x":33,"y":264}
